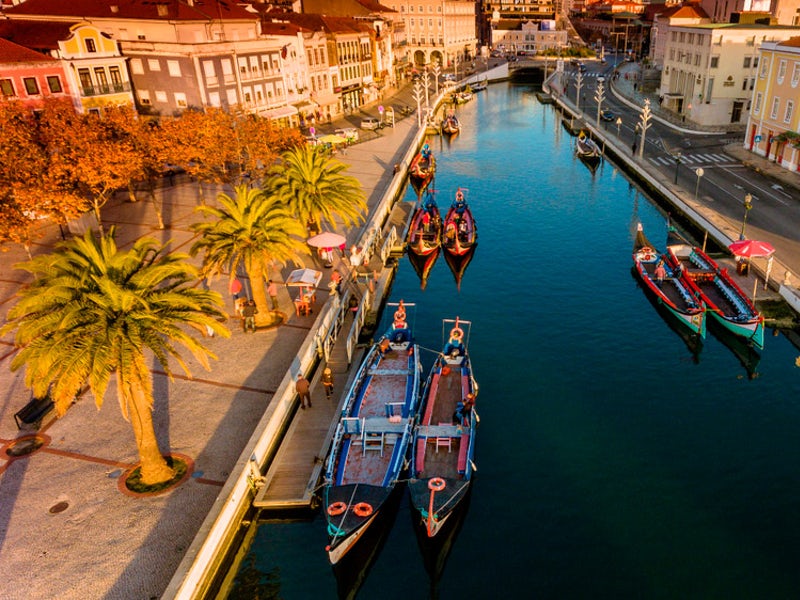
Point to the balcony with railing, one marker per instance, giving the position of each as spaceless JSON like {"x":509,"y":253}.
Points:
{"x":104,"y":90}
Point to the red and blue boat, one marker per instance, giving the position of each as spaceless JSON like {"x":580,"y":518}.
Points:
{"x":460,"y":230}
{"x":370,"y":444}
{"x":422,"y":169}
{"x":425,"y":231}
{"x":443,"y":448}
{"x":725,"y":301}
{"x":666,"y":285}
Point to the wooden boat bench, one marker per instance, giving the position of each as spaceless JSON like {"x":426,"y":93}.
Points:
{"x":33,"y":412}
{"x":701,"y":276}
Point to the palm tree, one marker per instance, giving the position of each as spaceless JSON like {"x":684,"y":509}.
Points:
{"x":91,"y":311}
{"x":253,"y":230}
{"x":312,"y":185}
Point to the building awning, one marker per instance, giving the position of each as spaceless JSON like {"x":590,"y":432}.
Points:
{"x":306,"y":105}
{"x":280,"y":112}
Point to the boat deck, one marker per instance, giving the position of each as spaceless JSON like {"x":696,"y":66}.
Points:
{"x":671,"y":288}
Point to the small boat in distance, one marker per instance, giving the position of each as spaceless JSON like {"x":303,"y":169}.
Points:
{"x":587,"y":150}
{"x":460,"y":230}
{"x":425,"y":231}
{"x":669,"y":290}
{"x":450,"y":125}
{"x":724,"y":299}
{"x":368,"y":450}
{"x":422,"y":169}
{"x":444,"y":440}
{"x":481,"y":85}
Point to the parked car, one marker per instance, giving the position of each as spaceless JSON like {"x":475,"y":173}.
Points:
{"x":607,"y":115}
{"x":449,"y":77}
{"x":370,"y":123}
{"x":348,"y":133}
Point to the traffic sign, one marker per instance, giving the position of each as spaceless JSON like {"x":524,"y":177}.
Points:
{"x":758,"y":138}
{"x":312,"y":131}
{"x":380,"y":109}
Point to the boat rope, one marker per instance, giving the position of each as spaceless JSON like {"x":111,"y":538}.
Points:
{"x":431,"y":350}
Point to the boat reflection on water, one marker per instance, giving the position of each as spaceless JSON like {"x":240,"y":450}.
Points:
{"x":423,"y":264}
{"x":694,"y":343}
{"x":352,"y":569}
{"x":458,"y":264}
{"x":742,"y":349}
{"x":435,"y":550}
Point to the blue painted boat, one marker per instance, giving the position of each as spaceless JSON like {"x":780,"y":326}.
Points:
{"x":368,"y":452}
{"x":444,"y":439}
{"x":724,"y":299}
{"x":666,"y":286}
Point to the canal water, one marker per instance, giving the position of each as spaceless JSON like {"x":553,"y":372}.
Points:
{"x":615,"y":460}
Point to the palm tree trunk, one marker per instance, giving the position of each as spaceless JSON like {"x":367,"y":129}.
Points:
{"x":154,"y":466}
{"x":154,"y":201}
{"x":264,"y":316}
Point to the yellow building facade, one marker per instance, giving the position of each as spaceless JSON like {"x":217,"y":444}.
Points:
{"x":773,"y":128}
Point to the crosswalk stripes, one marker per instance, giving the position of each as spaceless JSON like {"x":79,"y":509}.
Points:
{"x":691,"y":159}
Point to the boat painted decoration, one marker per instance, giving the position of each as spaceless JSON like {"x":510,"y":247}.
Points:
{"x":659,"y":279}
{"x":368,"y":452}
{"x":724,"y":299}
{"x":442,"y":463}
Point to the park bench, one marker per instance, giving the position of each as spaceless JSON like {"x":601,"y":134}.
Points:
{"x":33,"y":412}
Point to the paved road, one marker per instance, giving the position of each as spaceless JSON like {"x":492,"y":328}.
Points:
{"x":729,"y":172}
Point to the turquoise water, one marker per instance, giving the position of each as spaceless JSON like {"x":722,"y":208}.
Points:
{"x":613,"y":462}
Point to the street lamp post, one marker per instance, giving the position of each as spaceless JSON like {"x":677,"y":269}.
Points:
{"x":619,"y":124}
{"x":677,"y":156}
{"x":748,"y":204}
{"x":699,"y":172}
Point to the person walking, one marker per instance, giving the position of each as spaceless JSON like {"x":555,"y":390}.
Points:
{"x":272,"y":290}
{"x":249,"y":314}
{"x":327,"y":381}
{"x":303,"y":390}
{"x":633,"y":148}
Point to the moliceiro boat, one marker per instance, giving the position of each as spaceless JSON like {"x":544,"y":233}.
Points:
{"x":587,"y":150}
{"x":460,"y":229}
{"x":369,"y":446}
{"x":444,"y":440}
{"x":422,"y":169}
{"x":724,"y":299}
{"x":450,"y":125}
{"x":659,"y":279}
{"x":425,"y":231}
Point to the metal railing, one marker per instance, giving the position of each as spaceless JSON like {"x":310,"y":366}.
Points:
{"x":388,"y":244}
{"x":358,"y":322}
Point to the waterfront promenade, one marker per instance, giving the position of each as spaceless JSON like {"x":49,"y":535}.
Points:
{"x":66,"y":529}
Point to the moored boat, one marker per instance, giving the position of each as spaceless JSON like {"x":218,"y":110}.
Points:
{"x":667,"y":287}
{"x":481,"y":85}
{"x":425,"y":231}
{"x":444,"y":439}
{"x":460,"y":231}
{"x":587,"y":150}
{"x":724,"y":299}
{"x":450,"y":125}
{"x":422,"y":169}
{"x":369,"y":445}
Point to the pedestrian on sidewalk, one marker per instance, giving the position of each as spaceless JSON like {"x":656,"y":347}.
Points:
{"x":633,"y":148}
{"x":249,"y":313}
{"x":272,"y":290}
{"x":327,"y":381}
{"x":303,"y":390}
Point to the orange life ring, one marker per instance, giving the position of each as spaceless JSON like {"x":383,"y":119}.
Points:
{"x":437,"y":484}
{"x":400,"y":315}
{"x":337,"y":508}
{"x":457,"y":334}
{"x":362,"y":509}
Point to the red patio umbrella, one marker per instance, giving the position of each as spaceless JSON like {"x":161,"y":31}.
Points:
{"x":751,"y":248}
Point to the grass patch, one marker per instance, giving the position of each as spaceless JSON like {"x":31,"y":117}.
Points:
{"x":134,"y":481}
